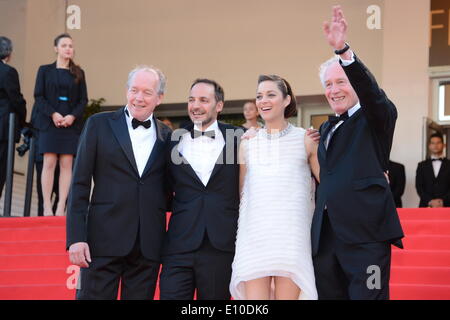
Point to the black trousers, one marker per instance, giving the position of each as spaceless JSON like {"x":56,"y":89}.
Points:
{"x":351,"y":271}
{"x":207,"y":270}
{"x":137,"y":276}
{"x":3,"y":162}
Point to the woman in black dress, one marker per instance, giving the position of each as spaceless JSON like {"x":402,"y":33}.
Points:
{"x":60,"y":98}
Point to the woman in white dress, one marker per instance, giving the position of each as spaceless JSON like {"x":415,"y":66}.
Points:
{"x":273,"y":245}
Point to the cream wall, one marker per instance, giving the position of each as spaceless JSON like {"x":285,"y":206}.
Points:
{"x":231,"y":41}
{"x":405,"y":78}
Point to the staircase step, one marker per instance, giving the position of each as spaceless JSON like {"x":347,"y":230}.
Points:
{"x":36,"y":276}
{"x":419,"y":292}
{"x":36,"y":292}
{"x":27,"y":222}
{"x":421,"y":258}
{"x":36,"y":233}
{"x":425,"y":242}
{"x":436,"y":227}
{"x":36,"y":261}
{"x":32,"y":247}
{"x":424,"y":214}
{"x":420,"y":275}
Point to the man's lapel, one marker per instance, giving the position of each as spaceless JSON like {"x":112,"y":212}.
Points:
{"x":429,"y":169}
{"x":323,"y":137}
{"x":443,"y":168}
{"x":157,"y":148}
{"x":120,"y":129}
{"x":223,"y":154}
{"x":185,"y":164}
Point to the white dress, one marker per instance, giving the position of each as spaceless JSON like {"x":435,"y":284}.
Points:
{"x":275,"y":214}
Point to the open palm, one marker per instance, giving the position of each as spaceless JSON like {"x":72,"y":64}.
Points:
{"x":336,"y":30}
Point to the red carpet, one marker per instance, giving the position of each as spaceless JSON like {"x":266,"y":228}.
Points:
{"x":422,"y":269}
{"x":34,"y":264}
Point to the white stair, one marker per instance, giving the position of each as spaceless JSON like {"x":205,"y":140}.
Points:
{"x":18,"y":199}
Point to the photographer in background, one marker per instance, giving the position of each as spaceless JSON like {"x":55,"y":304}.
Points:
{"x":11,"y":100}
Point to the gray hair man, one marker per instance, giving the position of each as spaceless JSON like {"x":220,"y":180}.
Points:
{"x":115,"y":235}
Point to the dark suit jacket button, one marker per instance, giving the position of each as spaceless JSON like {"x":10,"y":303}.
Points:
{"x":141,"y":183}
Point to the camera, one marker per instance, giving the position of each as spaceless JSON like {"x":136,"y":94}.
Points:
{"x":27,"y":134}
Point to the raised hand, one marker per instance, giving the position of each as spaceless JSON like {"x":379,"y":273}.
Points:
{"x":336,"y":30}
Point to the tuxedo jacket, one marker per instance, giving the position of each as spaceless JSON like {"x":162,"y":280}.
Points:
{"x":397,"y":181}
{"x":430,"y":187}
{"x":11,"y":100}
{"x":46,"y":97}
{"x":122,"y":203}
{"x":352,"y":186}
{"x":199,"y":209}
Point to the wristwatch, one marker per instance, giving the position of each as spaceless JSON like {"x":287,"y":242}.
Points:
{"x":343,"y":50}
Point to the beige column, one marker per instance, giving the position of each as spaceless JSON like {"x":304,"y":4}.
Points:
{"x":405,"y":79}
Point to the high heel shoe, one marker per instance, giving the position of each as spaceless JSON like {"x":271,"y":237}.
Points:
{"x":48,"y":213}
{"x":59,"y":212}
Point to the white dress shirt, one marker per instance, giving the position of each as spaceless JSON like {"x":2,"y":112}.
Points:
{"x":202,"y":152}
{"x":436,"y":165}
{"x":142,"y":141}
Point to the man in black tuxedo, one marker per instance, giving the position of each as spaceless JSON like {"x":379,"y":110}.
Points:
{"x":433,"y":176}
{"x":200,"y":243}
{"x":355,"y":220}
{"x":116,"y":233}
{"x":397,"y":181}
{"x":11,"y":100}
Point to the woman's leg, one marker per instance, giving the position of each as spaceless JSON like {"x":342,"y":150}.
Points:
{"x":48,"y":172}
{"x":258,"y":289}
{"x":286,"y":289}
{"x":65,"y":176}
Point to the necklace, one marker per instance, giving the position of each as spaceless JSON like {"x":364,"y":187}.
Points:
{"x":277,"y":134}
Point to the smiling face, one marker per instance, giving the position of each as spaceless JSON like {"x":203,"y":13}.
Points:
{"x":339,"y":92}
{"x":270,"y":101}
{"x":142,"y":94}
{"x":202,"y":105}
{"x":64,"y":48}
{"x":250,"y":111}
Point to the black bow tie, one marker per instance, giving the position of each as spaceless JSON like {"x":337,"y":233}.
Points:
{"x":195,"y":134}
{"x":136,"y":123}
{"x":437,"y":159}
{"x":334,"y":120}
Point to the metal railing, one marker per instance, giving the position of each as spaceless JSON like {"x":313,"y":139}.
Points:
{"x":10,"y":171}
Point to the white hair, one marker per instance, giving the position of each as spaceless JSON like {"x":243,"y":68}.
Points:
{"x":161,"y":77}
{"x":324,"y":67}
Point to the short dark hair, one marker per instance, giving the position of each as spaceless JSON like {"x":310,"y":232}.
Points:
{"x":286,"y":90}
{"x":6,"y":47}
{"x":218,"y":90}
{"x":437,"y":135}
